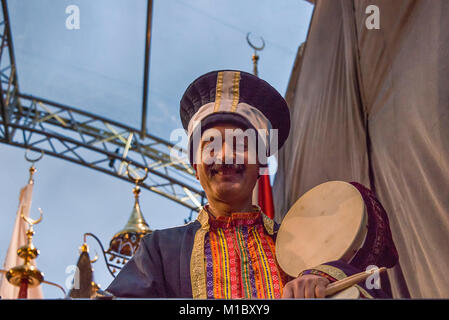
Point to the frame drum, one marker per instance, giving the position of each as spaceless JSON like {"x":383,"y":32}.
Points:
{"x":328,"y":223}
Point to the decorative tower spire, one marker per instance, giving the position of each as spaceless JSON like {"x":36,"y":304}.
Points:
{"x":83,"y":284}
{"x":26,"y":275}
{"x":126,"y":241}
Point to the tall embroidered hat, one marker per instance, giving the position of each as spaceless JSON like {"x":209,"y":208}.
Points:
{"x":237,"y":97}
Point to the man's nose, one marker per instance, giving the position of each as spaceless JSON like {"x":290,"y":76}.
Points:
{"x":227,"y":155}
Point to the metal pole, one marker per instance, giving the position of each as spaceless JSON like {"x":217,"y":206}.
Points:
{"x":146,"y":69}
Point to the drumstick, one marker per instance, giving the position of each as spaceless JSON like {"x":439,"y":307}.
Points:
{"x":349,"y":281}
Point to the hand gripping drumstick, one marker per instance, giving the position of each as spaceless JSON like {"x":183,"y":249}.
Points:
{"x":350,"y":281}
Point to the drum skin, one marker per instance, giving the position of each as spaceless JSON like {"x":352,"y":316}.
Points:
{"x":327,"y":223}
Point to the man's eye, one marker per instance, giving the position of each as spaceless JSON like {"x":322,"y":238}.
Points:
{"x":205,"y":144}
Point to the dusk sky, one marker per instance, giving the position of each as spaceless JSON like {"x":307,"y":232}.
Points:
{"x":99,"y":68}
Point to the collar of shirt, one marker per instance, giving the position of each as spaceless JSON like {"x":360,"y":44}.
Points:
{"x":252,"y":218}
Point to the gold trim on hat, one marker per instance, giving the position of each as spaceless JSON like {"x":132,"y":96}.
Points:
{"x":235,"y":91}
{"x":218,"y":91}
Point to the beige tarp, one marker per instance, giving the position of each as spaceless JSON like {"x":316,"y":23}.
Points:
{"x":373,"y":106}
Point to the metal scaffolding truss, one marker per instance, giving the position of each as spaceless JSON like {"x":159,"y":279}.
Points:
{"x":87,"y":139}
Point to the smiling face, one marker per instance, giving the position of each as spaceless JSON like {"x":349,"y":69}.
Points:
{"x":227,"y":169}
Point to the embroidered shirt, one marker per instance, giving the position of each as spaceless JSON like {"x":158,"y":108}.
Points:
{"x":240,"y":259}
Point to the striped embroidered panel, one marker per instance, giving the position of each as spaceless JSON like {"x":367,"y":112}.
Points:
{"x":240,"y":259}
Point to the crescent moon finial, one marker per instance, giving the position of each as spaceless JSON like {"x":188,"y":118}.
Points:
{"x":252,"y":45}
{"x":137,"y":180}
{"x":30,"y":221}
{"x":33,"y":160}
{"x":95,"y":258}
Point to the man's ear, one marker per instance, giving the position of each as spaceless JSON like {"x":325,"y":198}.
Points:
{"x":196,"y":171}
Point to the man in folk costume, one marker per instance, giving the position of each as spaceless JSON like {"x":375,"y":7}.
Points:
{"x":229,"y":250}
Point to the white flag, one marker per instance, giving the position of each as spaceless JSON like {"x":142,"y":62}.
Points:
{"x":18,"y":239}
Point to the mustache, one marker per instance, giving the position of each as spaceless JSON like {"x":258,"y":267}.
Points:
{"x":215,"y":168}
